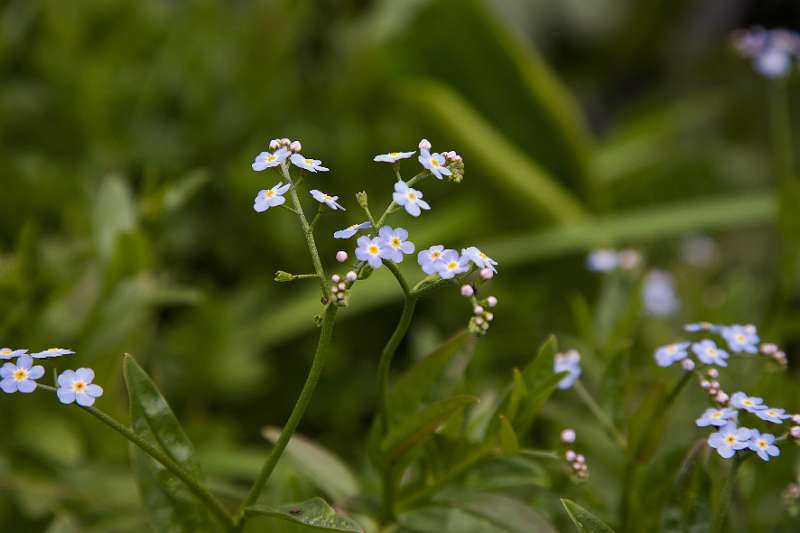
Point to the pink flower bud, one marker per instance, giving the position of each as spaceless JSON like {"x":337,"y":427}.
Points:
{"x":487,"y":273}
{"x":713,"y":373}
{"x":705,"y":384}
{"x":351,"y":276}
{"x":489,"y":317}
{"x":568,"y":436}
{"x":342,"y":286}
{"x":795,"y":432}
{"x":341,"y":256}
{"x":721,"y":397}
{"x":274,"y":144}
{"x":569,"y":455}
{"x":295,"y":146}
{"x":424,"y":144}
{"x":491,"y":301}
{"x":335,"y":278}
{"x":467,"y":291}
{"x":580,"y":458}
{"x":334,"y":289}
{"x":478,"y":310}
{"x":687,"y":365}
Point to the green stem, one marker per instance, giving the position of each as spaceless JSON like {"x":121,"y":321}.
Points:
{"x":399,"y":277}
{"x":297,"y":412}
{"x":601,"y":415}
{"x":780,"y":128}
{"x":177,"y":470}
{"x":385,"y":362}
{"x":540,"y":454}
{"x":676,"y":390}
{"x":718,"y":520}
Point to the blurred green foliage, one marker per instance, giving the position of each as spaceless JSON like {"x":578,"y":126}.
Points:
{"x":127,"y":132}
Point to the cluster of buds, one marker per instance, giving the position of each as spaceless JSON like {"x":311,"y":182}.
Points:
{"x":713,"y":388}
{"x":340,"y":287}
{"x":456,"y":166}
{"x":481,"y":315}
{"x":773,"y":351}
{"x":292,"y":146}
{"x":794,"y":430}
{"x":791,"y":498}
{"x":575,"y":461}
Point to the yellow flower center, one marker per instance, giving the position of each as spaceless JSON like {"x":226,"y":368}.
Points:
{"x":772,"y":413}
{"x":762,"y":443}
{"x":373,"y":250}
{"x":271,"y":158}
{"x":671,"y":349}
{"x":308,"y":161}
{"x":483,"y":255}
{"x":353,"y":227}
{"x":452,"y":265}
{"x":434,"y":163}
{"x":396,"y":242}
{"x":739,"y":338}
{"x":717,"y":414}
{"x":412,"y":196}
{"x":436,"y":255}
{"x":394,"y":154}
{"x":730,"y":439}
{"x":748,"y":403}
{"x":53,"y":349}
{"x":5,"y":352}
{"x":327,"y":198}
{"x":269,"y":194}
{"x":78,"y":386}
{"x":711,"y":352}
{"x":21,"y":374}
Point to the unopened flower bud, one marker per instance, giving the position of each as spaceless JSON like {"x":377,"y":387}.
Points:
{"x":489,"y":317}
{"x":424,"y":144}
{"x":362,"y":199}
{"x":486,"y":273}
{"x":769,"y":348}
{"x":351,"y":276}
{"x":342,"y":286}
{"x":285,"y":142}
{"x":274,"y":144}
{"x":282,"y":277}
{"x":491,"y":301}
{"x":568,"y":436}
{"x":334,"y":289}
{"x":341,"y":256}
{"x":687,"y":365}
{"x":580,"y":458}
{"x":705,"y":384}
{"x":569,"y":455}
{"x":295,"y":146}
{"x":713,"y":373}
{"x":721,"y":397}
{"x":478,"y":310}
{"x":467,"y":291}
{"x":335,"y":278}
{"x":479,"y":321}
{"x":795,"y":432}
{"x":796,"y":419}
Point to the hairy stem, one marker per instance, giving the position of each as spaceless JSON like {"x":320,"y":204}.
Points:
{"x":214,"y":505}
{"x":298,"y":411}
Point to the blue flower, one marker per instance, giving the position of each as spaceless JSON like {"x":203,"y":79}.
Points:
{"x":666,"y":355}
{"x":410,"y":199}
{"x":771,"y":50}
{"x":659,"y":294}
{"x":273,"y":197}
{"x":603,"y":260}
{"x":700,"y":326}
{"x":312,"y":165}
{"x":709,"y":354}
{"x":741,"y":338}
{"x":763,"y":445}
{"x":395,"y":243}
{"x":479,"y":259}
{"x":771,"y":414}
{"x":371,"y":251}
{"x":729,"y":439}
{"x":20,"y":376}
{"x":569,"y":362}
{"x":8,"y":353}
{"x":451,"y":265}
{"x":266,"y":160}
{"x":76,"y":386}
{"x":716,"y":417}
{"x":740,"y":400}
{"x":349,"y":231}
{"x":430,"y":258}
{"x":51,"y":352}
{"x":326,"y":199}
{"x":435,"y":163}
{"x":392,"y":157}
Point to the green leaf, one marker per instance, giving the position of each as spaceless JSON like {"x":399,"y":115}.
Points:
{"x":504,"y":473}
{"x":318,"y":465}
{"x":647,"y":425}
{"x":508,"y":439}
{"x":506,"y":514}
{"x":169,"y":505}
{"x":114,"y":213}
{"x":417,"y":428}
{"x":518,"y":391}
{"x":583,"y":519}
{"x":313,"y":515}
{"x":420,"y":382}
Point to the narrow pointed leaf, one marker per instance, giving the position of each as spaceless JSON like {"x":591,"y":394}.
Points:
{"x":583,"y":519}
{"x":169,"y":505}
{"x":311,"y":515}
{"x":508,"y":439}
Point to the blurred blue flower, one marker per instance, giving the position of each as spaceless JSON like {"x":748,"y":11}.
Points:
{"x":763,"y":445}
{"x":659,"y":295}
{"x":76,"y":386}
{"x":708,"y":353}
{"x":666,"y":355}
{"x":312,"y":165}
{"x":451,"y":265}
{"x":273,"y":197}
{"x":771,"y":414}
{"x":410,"y":199}
{"x":371,"y":251}
{"x":20,"y":376}
{"x":430,"y":258}
{"x":741,"y":338}
{"x":395,"y":242}
{"x":700,"y":326}
{"x":479,"y":259}
{"x":729,"y":439}
{"x":740,"y":400}
{"x":392,"y":157}
{"x":266,"y":160}
{"x":8,"y":353}
{"x":51,"y":352}
{"x":603,"y":260}
{"x":772,"y":51}
{"x":435,"y":163}
{"x":326,"y":199}
{"x":715,"y":417}
{"x":569,"y":362}
{"x":349,"y":231}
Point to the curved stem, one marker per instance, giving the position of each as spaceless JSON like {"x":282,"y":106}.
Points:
{"x":297,"y":412}
{"x":214,"y":505}
{"x":601,"y":415}
{"x":399,"y":277}
{"x":385,"y":363}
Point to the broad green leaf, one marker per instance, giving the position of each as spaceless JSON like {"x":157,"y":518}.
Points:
{"x":414,"y":429}
{"x":418,"y":384}
{"x":114,"y":213}
{"x":508,"y":439}
{"x":506,"y":514}
{"x":312,"y":515}
{"x":647,"y":425}
{"x":583,"y":519}
{"x":169,"y":505}
{"x":318,"y":465}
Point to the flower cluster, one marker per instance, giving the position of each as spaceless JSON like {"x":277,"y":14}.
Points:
{"x":482,"y":316}
{"x":607,"y":260}
{"x":772,"y":51}
{"x":575,"y":461}
{"x":22,"y":375}
{"x":726,"y":410}
{"x":569,"y":362}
